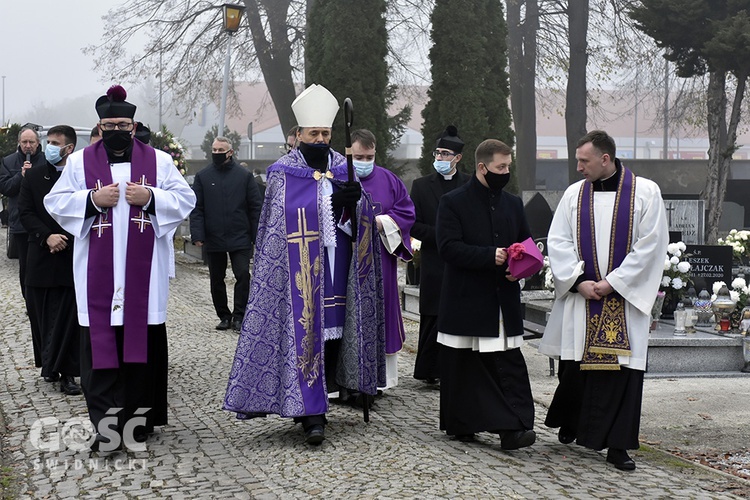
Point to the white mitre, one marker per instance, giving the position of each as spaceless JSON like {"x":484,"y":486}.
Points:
{"x":315,"y":107}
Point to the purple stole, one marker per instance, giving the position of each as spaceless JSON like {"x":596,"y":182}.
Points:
{"x":606,"y":328}
{"x":100,"y":266}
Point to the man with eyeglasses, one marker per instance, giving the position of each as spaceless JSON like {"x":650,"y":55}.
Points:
{"x":426,"y":193}
{"x":13,"y":169}
{"x":225,"y":221}
{"x":50,"y":294}
{"x":121,"y":199}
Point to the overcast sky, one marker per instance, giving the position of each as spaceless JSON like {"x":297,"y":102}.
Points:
{"x":41,"y":55}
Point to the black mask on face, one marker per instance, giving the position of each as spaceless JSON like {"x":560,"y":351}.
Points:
{"x":496,"y":182}
{"x":116,"y":140}
{"x":219,"y":158}
{"x":316,"y":155}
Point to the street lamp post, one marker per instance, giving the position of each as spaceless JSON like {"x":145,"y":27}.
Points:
{"x":3,"y":101}
{"x":232,"y":17}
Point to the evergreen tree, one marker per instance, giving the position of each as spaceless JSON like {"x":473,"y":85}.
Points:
{"x":345,"y":51}
{"x":469,"y":80}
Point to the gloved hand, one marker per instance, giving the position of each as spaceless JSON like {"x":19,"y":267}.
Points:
{"x":347,"y":195}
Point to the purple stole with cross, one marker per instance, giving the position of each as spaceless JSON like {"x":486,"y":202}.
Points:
{"x":606,"y":328}
{"x":100,"y":267}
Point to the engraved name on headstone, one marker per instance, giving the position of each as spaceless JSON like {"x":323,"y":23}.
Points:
{"x":709,"y":263}
{"x":688,"y":218}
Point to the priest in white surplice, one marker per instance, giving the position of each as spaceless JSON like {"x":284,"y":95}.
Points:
{"x":606,"y":247}
{"x":121,"y":199}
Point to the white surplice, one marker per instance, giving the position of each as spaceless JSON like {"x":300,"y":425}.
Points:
{"x":173,"y":201}
{"x":637,"y":278}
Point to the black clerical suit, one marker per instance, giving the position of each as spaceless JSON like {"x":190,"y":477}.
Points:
{"x":481,"y":391}
{"x":50,"y":292}
{"x":426,"y":193}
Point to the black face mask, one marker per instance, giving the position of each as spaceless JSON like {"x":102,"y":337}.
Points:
{"x":219,"y":158}
{"x":496,"y":182}
{"x":116,"y":140}
{"x":316,"y":155}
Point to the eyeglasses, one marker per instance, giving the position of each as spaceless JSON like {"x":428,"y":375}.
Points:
{"x":444,"y":154}
{"x":124,"y":126}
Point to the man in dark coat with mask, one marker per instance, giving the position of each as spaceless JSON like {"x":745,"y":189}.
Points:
{"x":225,"y":221}
{"x":484,"y":382}
{"x":426,"y":193}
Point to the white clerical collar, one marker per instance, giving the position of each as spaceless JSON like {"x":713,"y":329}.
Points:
{"x":448,"y":177}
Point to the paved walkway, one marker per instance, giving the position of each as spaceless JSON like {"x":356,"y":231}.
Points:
{"x":206,"y":453}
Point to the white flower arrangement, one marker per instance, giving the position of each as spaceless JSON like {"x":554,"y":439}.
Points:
{"x":676,"y":272}
{"x":739,"y":241}
{"x":738,"y":292}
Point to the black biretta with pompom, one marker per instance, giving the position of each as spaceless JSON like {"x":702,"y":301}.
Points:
{"x":450,"y":140}
{"x":114,"y":105}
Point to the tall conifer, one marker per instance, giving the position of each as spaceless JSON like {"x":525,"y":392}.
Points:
{"x":469,"y":79}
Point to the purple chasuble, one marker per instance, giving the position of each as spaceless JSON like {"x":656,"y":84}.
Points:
{"x":389,"y":197}
{"x":100,"y":266}
{"x":606,"y":328}
{"x":279,"y":364}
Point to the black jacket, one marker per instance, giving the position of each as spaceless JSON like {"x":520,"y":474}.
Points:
{"x":425,"y":193}
{"x":44,"y":269}
{"x":472,"y":222}
{"x":227,"y":208}
{"x":10,"y":183}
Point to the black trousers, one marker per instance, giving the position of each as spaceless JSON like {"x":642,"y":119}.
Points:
{"x":22,"y":246}
{"x":427,"y":364}
{"x":54,"y":309}
{"x":217,"y":269}
{"x":601,"y":407}
{"x":130,"y":386}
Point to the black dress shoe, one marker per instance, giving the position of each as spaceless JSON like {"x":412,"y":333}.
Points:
{"x":237,"y":325}
{"x":620,"y":459}
{"x":52,"y":378}
{"x":465,"y":438}
{"x":224,"y":324}
{"x":68,"y":386}
{"x":513,"y":440}
{"x":565,"y":436}
{"x":315,"y":434}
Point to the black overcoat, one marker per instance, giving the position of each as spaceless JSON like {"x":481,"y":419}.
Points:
{"x":44,"y":269}
{"x":227,"y":208}
{"x":472,"y":222}
{"x":425,"y":193}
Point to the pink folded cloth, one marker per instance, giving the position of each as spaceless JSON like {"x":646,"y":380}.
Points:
{"x":524,"y":259}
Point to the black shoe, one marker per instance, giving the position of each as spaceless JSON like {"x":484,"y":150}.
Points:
{"x":513,"y":440}
{"x":620,"y":459}
{"x":237,"y":325}
{"x":68,"y":386}
{"x":52,"y":378}
{"x":224,"y":324}
{"x":465,"y":438}
{"x":315,"y":434}
{"x":565,"y":436}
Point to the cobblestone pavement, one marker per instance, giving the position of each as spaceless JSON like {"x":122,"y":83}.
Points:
{"x":205,"y":452}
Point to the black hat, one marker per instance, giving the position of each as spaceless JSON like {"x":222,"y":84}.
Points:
{"x":142,"y":133}
{"x":114,"y":105}
{"x":449,"y":139}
